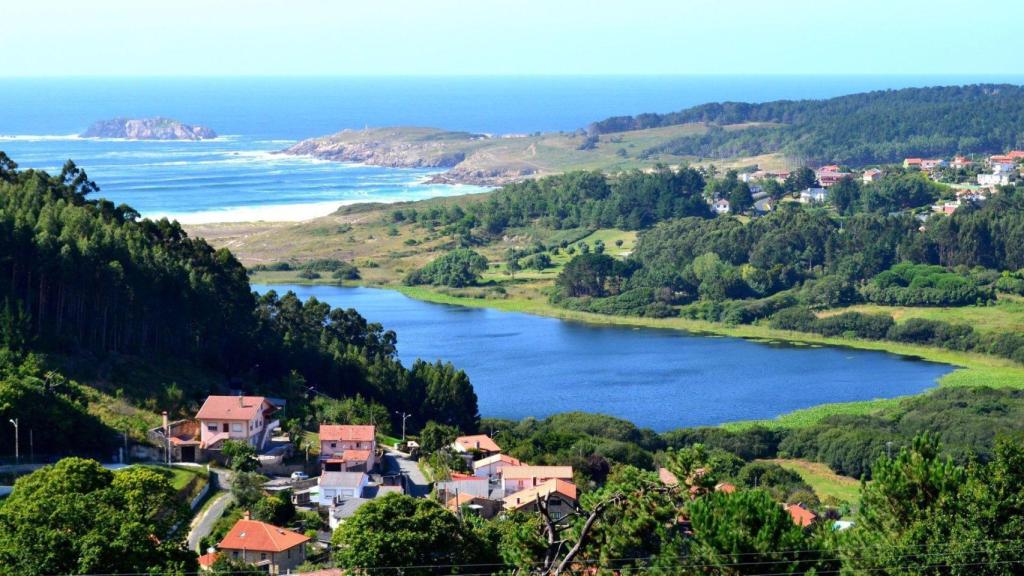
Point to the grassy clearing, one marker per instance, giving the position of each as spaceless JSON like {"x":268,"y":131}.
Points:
{"x":823,"y":480}
{"x":179,"y":476}
{"x":1006,"y":315}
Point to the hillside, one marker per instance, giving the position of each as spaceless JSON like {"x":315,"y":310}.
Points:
{"x":103,"y":313}
{"x":495,"y":160}
{"x":858,"y":129}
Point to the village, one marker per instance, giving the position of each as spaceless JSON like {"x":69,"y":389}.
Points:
{"x":971,"y":179}
{"x":353,"y":467}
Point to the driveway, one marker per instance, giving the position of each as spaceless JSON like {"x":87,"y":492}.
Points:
{"x":203,"y":523}
{"x":418,"y":486}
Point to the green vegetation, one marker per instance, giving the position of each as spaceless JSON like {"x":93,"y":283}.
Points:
{"x":76,"y":518}
{"x":825,"y":483}
{"x":457,"y":269}
{"x":136,"y":307}
{"x":873,"y":127}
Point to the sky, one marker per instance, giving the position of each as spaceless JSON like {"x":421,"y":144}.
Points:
{"x":473,"y":37}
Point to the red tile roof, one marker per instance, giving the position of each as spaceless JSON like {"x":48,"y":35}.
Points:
{"x":1016,"y":154}
{"x":232,"y":407}
{"x":725,"y":487}
{"x":667,"y":478}
{"x":478,"y":442}
{"x":495,"y":459}
{"x":801,"y":516}
{"x":347,"y":433}
{"x":457,"y":476}
{"x":261,"y":537}
{"x":529,"y":495}
{"x":207,"y":560}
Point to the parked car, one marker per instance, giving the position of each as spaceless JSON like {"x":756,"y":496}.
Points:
{"x":299,"y":475}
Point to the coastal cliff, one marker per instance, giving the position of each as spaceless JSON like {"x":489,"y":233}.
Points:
{"x":148,"y":129}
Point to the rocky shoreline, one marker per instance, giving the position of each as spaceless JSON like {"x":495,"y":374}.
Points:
{"x":466,"y":156}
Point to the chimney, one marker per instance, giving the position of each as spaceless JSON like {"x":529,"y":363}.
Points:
{"x":167,"y":424}
{"x":241,"y":401}
{"x":246,"y":516}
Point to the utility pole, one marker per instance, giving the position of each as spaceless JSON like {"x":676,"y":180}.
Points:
{"x":404,"y":416}
{"x":888,"y":450}
{"x":125,"y":461}
{"x":17,"y":455}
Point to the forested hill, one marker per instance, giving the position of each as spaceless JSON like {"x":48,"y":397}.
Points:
{"x":88,"y":281}
{"x":872,"y":127}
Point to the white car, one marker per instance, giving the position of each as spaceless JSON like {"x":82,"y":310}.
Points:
{"x":299,"y":476}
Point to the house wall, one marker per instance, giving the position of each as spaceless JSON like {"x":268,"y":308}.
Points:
{"x":479,"y":488}
{"x":329,"y":493}
{"x":247,"y":430}
{"x":329,"y":449}
{"x":280,"y":562}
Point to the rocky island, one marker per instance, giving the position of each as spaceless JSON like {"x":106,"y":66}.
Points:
{"x":157,"y":128}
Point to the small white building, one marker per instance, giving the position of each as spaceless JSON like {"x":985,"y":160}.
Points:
{"x":814,"y":196}
{"x":463,"y":484}
{"x":338,"y":486}
{"x":720,"y":206}
{"x":996,"y":179}
{"x":872,"y":175}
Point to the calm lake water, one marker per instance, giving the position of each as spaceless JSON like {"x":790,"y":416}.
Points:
{"x":523,"y":365}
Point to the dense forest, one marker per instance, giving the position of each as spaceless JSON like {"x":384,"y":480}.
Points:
{"x":84,"y":279}
{"x":873,"y":127}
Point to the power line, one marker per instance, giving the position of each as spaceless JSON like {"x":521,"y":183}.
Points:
{"x":973,"y":547}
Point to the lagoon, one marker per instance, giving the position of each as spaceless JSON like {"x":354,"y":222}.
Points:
{"x":530,"y":366}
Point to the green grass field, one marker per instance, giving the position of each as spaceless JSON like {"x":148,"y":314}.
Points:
{"x":179,"y":476}
{"x":823,"y":480}
{"x":1005,"y":315}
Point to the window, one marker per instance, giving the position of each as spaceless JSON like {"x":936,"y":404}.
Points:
{"x":234,"y":553}
{"x":225,"y":426}
{"x":211,"y":427}
{"x":263,"y":555}
{"x":236,"y":427}
{"x":289,"y":552}
{"x":334,"y":444}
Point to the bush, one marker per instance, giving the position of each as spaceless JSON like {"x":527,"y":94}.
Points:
{"x":309,"y":275}
{"x":459,"y":268}
{"x":797,"y":318}
{"x":346,"y":271}
{"x":909,"y":284}
{"x":868,"y":326}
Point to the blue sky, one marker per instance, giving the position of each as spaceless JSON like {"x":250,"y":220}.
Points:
{"x":337,"y":37}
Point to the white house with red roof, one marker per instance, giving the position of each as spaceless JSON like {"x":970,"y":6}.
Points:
{"x":272,"y":549}
{"x":477,"y":443}
{"x":560,"y":494}
{"x":348,"y":448}
{"x":244,"y":418}
{"x":517,"y":478}
{"x":491,"y":466}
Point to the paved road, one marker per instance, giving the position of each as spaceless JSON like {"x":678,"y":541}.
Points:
{"x":203,"y":523}
{"x":418,"y":485}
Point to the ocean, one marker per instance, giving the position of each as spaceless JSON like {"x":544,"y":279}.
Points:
{"x":237,"y":177}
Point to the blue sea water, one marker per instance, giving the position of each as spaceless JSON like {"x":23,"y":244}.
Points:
{"x":236,"y":177}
